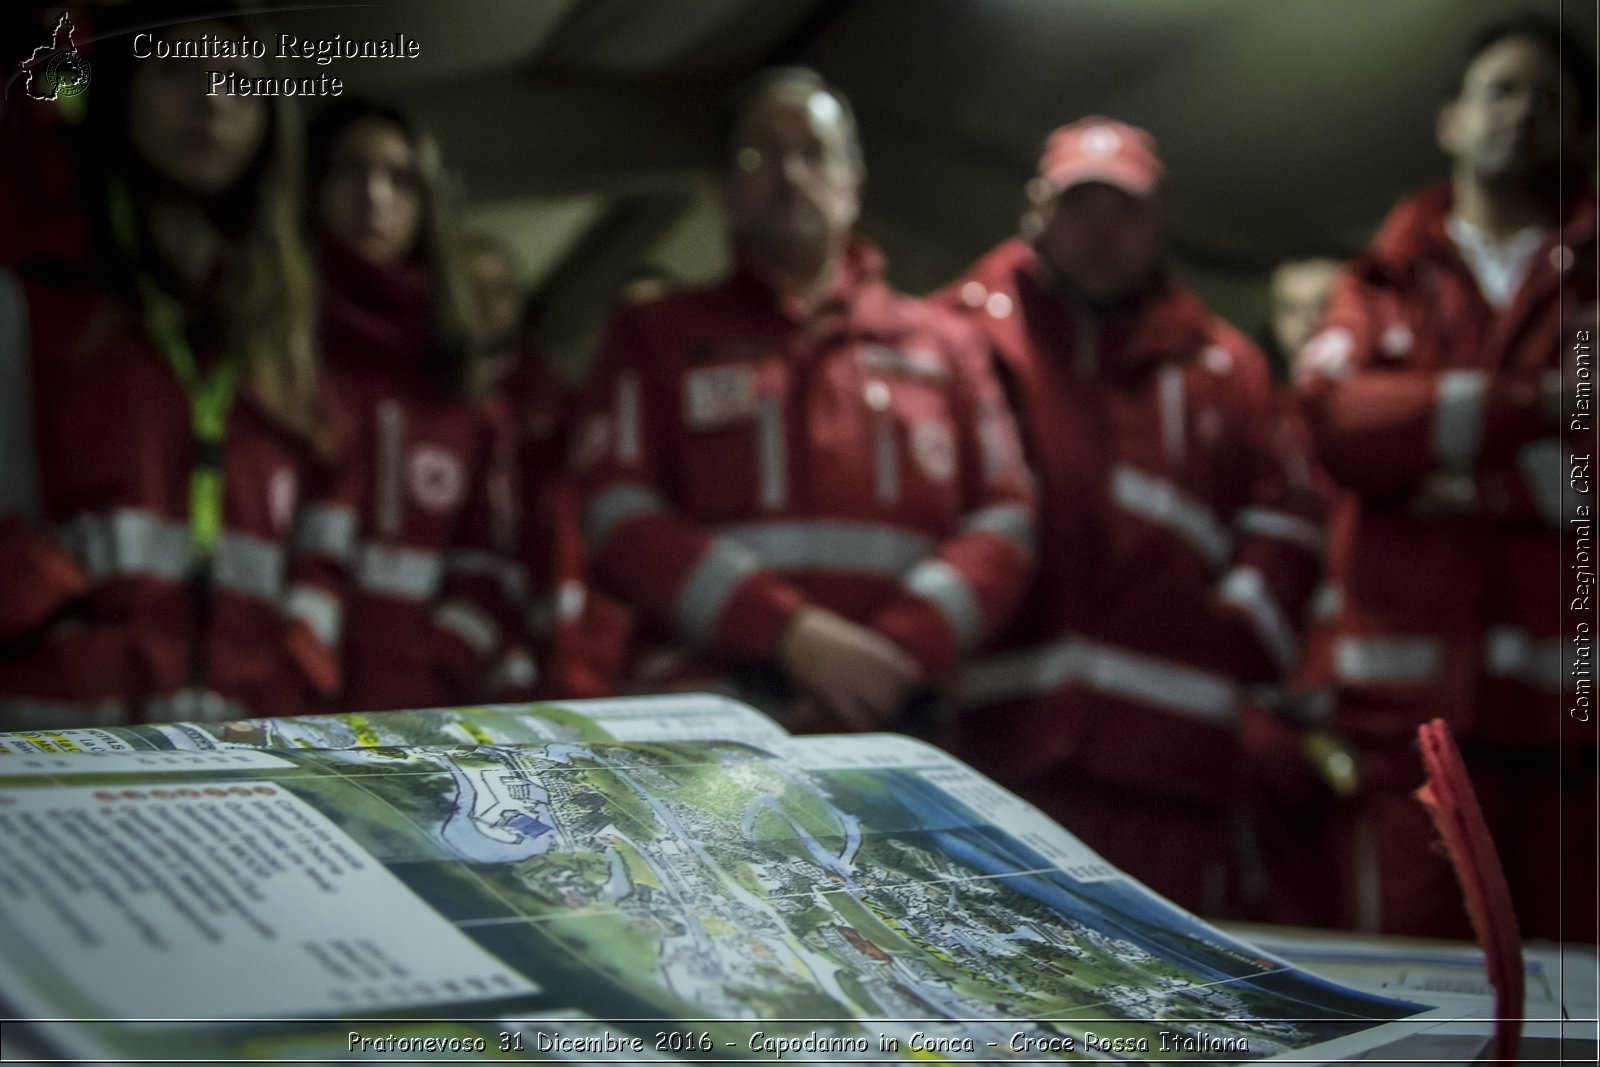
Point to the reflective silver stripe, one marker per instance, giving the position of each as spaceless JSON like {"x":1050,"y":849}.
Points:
{"x":318,"y":609}
{"x":1387,"y":659}
{"x":509,"y":575}
{"x":1028,"y":672}
{"x":886,"y":460}
{"x":947,"y":589}
{"x":39,"y":713}
{"x":992,"y":441}
{"x":628,"y":417}
{"x":1160,"y":683}
{"x":1247,"y":588}
{"x":612,"y":507}
{"x":1172,"y":428}
{"x":516,"y":671}
{"x":129,"y":542}
{"x":1512,"y":653}
{"x":1326,"y":602}
{"x":194,"y":705}
{"x":326,"y":530}
{"x":1543,"y":467}
{"x":1170,"y":686}
{"x":391,"y":478}
{"x":772,"y":457}
{"x":468,"y":623}
{"x":709,"y":586}
{"x":1458,"y":419}
{"x":1264,"y":522}
{"x":19,"y":465}
{"x":565,"y":605}
{"x":1014,"y":522}
{"x":570,"y":600}
{"x":249,"y":565}
{"x":830,"y":545}
{"x":403,"y":572}
{"x":141,"y":542}
{"x":1162,"y":502}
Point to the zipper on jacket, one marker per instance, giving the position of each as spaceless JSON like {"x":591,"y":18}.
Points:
{"x":202,"y":599}
{"x":205,"y":460}
{"x":628,"y":417}
{"x":885,"y":457}
{"x":1085,"y":340}
{"x":771,"y":458}
{"x":798,"y":355}
{"x":1169,"y":385}
{"x":391,"y":442}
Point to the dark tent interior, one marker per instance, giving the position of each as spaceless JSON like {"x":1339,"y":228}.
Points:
{"x":581,"y":129}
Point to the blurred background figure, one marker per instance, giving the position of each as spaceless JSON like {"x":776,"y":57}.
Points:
{"x":806,"y":483}
{"x":432,"y":535}
{"x":526,"y":402}
{"x":1299,"y":290}
{"x":162,"y":420}
{"x":1181,"y":541}
{"x":490,"y":270}
{"x":1299,"y":766}
{"x":1435,"y":394}
{"x":570,"y":639}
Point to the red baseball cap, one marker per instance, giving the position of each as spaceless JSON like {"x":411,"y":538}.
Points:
{"x":1098,"y":149}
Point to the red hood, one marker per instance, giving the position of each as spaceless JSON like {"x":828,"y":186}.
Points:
{"x":374,"y":315}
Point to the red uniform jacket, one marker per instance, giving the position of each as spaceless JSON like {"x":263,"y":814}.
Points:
{"x":740,"y":459}
{"x":1180,"y":538}
{"x":426,"y":517}
{"x":1414,"y":383}
{"x":99,"y":622}
{"x":573,"y":637}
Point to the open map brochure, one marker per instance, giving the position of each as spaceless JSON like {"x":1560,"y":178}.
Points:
{"x":669,"y":878}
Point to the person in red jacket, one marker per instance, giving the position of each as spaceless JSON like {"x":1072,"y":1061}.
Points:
{"x":433,"y":574}
{"x":1435,"y":394}
{"x":162,"y":423}
{"x":1181,"y":538}
{"x":808,"y":484}
{"x":570,"y":640}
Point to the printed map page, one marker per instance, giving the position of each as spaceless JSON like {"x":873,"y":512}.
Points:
{"x":686,"y":717}
{"x":833,"y":900}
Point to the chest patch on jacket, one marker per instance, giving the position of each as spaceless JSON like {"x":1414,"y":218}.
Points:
{"x":1218,"y":360}
{"x":1396,"y":341}
{"x":933,"y":446}
{"x":438,"y":478}
{"x":282,"y":490}
{"x":719,"y":396}
{"x":908,"y":363}
{"x":1328,"y":354}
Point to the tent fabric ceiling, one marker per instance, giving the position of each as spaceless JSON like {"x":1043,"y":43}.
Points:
{"x":1284,"y":125}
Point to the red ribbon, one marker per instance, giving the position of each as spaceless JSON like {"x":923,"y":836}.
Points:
{"x":1447,"y":795}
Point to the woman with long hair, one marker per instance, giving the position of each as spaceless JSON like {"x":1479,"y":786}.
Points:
{"x":163,"y":419}
{"x":433,"y":578}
